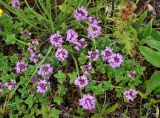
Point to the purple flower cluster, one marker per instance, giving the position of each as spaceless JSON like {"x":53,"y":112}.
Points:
{"x":35,"y":57}
{"x":56,"y":39}
{"x":1,"y":87}
{"x":33,"y":43}
{"x":61,"y":54}
{"x":72,"y":36}
{"x":45,"y":70}
{"x":26,"y":33}
{"x":130,"y":94}
{"x":93,"y":55}
{"x":87,"y":68}
{"x":20,"y":66}
{"x":114,"y":59}
{"x":80,"y":44}
{"x":9,"y":85}
{"x":94,"y":31}
{"x":88,"y":102}
{"x":16,"y":4}
{"x":80,"y":14}
{"x":81,"y":81}
{"x":132,"y":74}
{"x":106,"y":53}
{"x":42,"y":86}
{"x":93,"y":20}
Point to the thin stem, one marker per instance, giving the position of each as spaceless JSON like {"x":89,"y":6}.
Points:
{"x":76,"y":64}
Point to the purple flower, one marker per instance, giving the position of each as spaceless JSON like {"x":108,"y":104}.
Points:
{"x":35,"y":58}
{"x":26,"y":33}
{"x":81,"y":81}
{"x":33,"y":43}
{"x":42,"y":86}
{"x":72,"y":36}
{"x":80,"y":14}
{"x":56,"y":39}
{"x":61,"y":54}
{"x":16,"y":4}
{"x":130,"y":94}
{"x":9,"y":85}
{"x":45,"y":70}
{"x":115,"y":60}
{"x":20,"y":66}
{"x":87,"y":68}
{"x":133,"y":73}
{"x":1,"y":87}
{"x":106,"y":53}
{"x":88,"y":102}
{"x":93,"y":55}
{"x":34,"y":79}
{"x":80,"y":44}
{"x":94,"y":31}
{"x":93,"y":20}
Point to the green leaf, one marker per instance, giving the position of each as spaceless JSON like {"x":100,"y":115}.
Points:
{"x":156,"y":35}
{"x":82,"y":58}
{"x":148,"y":29}
{"x":97,"y":115}
{"x":107,"y":85}
{"x":154,"y":82}
{"x":72,"y":77}
{"x":151,"y":56}
{"x":153,"y":43}
{"x":10,"y":39}
{"x":110,"y":109}
{"x":29,"y":101}
{"x":58,"y":100}
{"x":141,"y":19}
{"x":60,"y":76}
{"x":55,"y":113}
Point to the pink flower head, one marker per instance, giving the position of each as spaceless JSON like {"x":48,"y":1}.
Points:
{"x":35,"y":58}
{"x":20,"y":66}
{"x":34,"y":79}
{"x":94,"y":31}
{"x":81,"y":81}
{"x":130,"y":94}
{"x":106,"y":53}
{"x":88,"y":102}
{"x":56,"y":39}
{"x":26,"y":33}
{"x":80,"y":44}
{"x":93,"y":55}
{"x":72,"y":36}
{"x":115,"y":60}
{"x":61,"y":54}
{"x":45,"y":70}
{"x":1,"y":87}
{"x":133,"y":73}
{"x":16,"y":4}
{"x":33,"y":43}
{"x":80,"y":14}
{"x":42,"y":86}
{"x":87,"y":68}
{"x":93,"y":20}
{"x":9,"y":85}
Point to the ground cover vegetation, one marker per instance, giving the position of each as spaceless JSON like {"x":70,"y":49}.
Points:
{"x":79,"y":58}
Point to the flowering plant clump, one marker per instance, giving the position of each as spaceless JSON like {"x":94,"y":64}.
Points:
{"x":88,"y":102}
{"x":130,"y":94}
{"x":58,"y":63}
{"x":81,"y":81}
